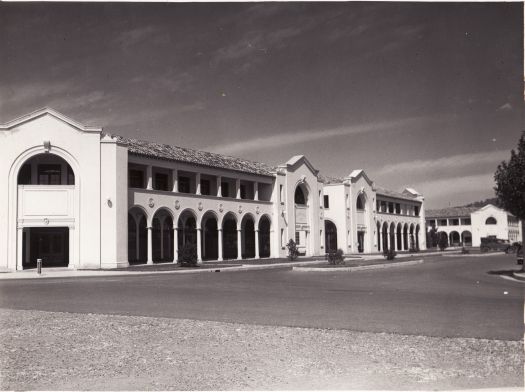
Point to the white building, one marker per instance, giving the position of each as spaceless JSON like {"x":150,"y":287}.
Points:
{"x":465,"y":226}
{"x":78,"y":197}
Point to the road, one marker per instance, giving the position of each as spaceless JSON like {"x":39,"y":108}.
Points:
{"x":446,"y":297}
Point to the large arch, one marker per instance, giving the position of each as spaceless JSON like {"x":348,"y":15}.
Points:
{"x":360,"y":202}
{"x":378,"y":230}
{"x":210,"y":236}
{"x":229,"y":236}
{"x":330,"y":231}
{"x":162,"y":236}
{"x":392,"y":239}
{"x":418,"y":229}
{"x":399,"y":237}
{"x":187,"y":229}
{"x":466,"y":238}
{"x":405,"y":236}
{"x":264,"y":236}
{"x":18,"y":234}
{"x":384,"y":236}
{"x":411,"y":238}
{"x":248,"y":236}
{"x":137,"y":235}
{"x":454,"y":238}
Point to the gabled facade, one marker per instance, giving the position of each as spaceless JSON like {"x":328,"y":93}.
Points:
{"x":465,"y":226}
{"x":78,"y":197}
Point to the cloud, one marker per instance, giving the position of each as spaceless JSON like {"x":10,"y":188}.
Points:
{"x":479,"y":184}
{"x":135,"y":36}
{"x":281,"y":140}
{"x":505,"y":107}
{"x":426,"y":166}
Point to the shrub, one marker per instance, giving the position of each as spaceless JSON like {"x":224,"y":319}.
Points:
{"x":390,"y":254}
{"x":443,"y":242}
{"x":188,"y":255}
{"x":336,"y":257}
{"x":292,"y":250}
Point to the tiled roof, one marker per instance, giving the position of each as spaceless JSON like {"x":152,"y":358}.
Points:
{"x":188,"y":155}
{"x":389,"y":193}
{"x":330,"y":180}
{"x":450,"y":212}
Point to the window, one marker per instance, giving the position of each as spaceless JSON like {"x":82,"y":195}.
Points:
{"x":243,"y":191}
{"x":378,"y":206}
{"x":442,"y":222}
{"x":326,"y":201}
{"x":491,"y":221}
{"x":70,"y":176}
{"x":205,"y":187}
{"x":49,"y":174}
{"x":465,"y":221}
{"x":383,"y":206}
{"x":282,"y":238}
{"x":161,"y":181}
{"x":184,"y":184}
{"x":454,"y":222}
{"x":297,"y":238}
{"x":391,"y":208}
{"x":281,"y":196}
{"x":299,"y":196}
{"x":24,"y":176}
{"x":416,"y":210}
{"x":398,"y":208}
{"x":225,"y":189}
{"x":136,"y":178}
{"x":359,"y":203}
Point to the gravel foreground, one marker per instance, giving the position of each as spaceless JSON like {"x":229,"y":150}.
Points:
{"x":64,"y":351}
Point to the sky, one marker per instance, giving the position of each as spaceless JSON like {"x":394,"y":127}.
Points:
{"x":421,"y":95}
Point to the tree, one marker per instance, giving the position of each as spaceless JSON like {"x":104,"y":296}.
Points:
{"x":442,"y":241}
{"x":292,"y":250}
{"x":510,"y":183}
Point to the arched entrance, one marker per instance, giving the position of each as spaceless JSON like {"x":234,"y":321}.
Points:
{"x":454,"y":239}
{"x":210,"y":237}
{"x":466,"y":238}
{"x":302,"y":221}
{"x":187,"y":230}
{"x":405,"y":236}
{"x":399,"y":239}
{"x":412,"y":241}
{"x":330,"y":236}
{"x":264,"y":236}
{"x":137,"y":236}
{"x":162,"y":236}
{"x":378,"y":230}
{"x":229,"y":236}
{"x":248,"y":237}
{"x":384,"y":235}
{"x":392,"y":239}
{"x":45,"y":184}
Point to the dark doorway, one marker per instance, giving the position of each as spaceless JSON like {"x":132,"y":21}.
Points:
{"x":264,"y":237}
{"x":330,"y":232}
{"x":360,"y":241}
{"x":51,"y":244}
{"x":229,"y":239}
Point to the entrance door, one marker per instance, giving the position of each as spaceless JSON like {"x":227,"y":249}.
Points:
{"x":360,"y":241}
{"x":51,"y":244}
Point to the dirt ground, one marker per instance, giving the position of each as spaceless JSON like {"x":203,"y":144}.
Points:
{"x":48,"y":350}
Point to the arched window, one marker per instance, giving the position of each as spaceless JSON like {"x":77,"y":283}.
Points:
{"x":360,"y":203}
{"x":491,"y":221}
{"x":299,"y":196}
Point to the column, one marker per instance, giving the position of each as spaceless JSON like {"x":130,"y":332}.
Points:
{"x":175,"y":177}
{"x":256,"y":243}
{"x":150,"y":245}
{"x":199,"y":246}
{"x":237,"y":188}
{"x":219,"y":255}
{"x":239,"y":247}
{"x":19,"y":244}
{"x":149,"y":177}
{"x":175,"y":244}
{"x":219,"y":187}
{"x":72,"y":263}
{"x":255,"y":190}
{"x":197,"y":183}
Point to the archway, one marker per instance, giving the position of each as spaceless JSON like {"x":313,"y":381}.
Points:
{"x":162,"y":236}
{"x":417,"y":238}
{"x":405,"y":236}
{"x":454,"y":239}
{"x":412,"y":241}
{"x":360,"y":202}
{"x":210,"y":237}
{"x":264,"y":236}
{"x":248,"y":237}
{"x":46,"y":169}
{"x":330,"y":231}
{"x":399,"y":239}
{"x":384,"y":235}
{"x":378,"y":229}
{"x":229,"y":236}
{"x":302,"y":217}
{"x":392,"y":236}
{"x":466,"y":238}
{"x":137,"y":236}
{"x":187,"y":229}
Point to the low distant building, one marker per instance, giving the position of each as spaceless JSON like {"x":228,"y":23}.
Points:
{"x":465,"y":226}
{"x":79,"y":197}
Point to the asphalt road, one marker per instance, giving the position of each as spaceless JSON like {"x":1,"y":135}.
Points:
{"x":446,"y":297}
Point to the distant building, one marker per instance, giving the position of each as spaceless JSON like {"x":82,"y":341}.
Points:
{"x":465,"y":226}
{"x":79,"y":197}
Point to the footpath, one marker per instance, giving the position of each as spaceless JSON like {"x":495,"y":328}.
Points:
{"x":354,"y":261}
